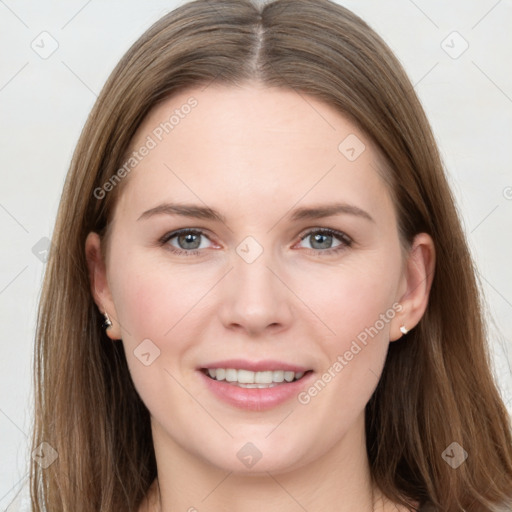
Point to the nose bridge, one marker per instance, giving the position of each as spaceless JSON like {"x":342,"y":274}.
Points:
{"x":256,"y":299}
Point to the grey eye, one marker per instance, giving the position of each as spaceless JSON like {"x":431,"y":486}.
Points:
{"x":189,"y":241}
{"x":321,"y":241}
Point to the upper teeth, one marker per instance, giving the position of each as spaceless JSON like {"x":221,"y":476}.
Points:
{"x":248,"y":377}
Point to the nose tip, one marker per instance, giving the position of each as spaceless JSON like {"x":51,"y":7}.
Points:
{"x":253,"y":299}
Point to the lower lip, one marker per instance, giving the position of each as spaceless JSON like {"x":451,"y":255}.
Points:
{"x":255,"y":399}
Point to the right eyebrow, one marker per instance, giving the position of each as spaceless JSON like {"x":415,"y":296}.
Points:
{"x":185,"y":210}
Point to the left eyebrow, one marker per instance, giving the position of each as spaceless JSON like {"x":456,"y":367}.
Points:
{"x":329,"y":210}
{"x":185,"y":210}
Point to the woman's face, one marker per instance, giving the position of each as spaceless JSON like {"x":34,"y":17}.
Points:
{"x":256,"y":239}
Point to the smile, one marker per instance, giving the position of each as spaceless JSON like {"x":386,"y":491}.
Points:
{"x":254,"y":386}
{"x":249,"y":379}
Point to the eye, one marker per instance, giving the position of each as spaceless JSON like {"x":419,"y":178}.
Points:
{"x":188,"y":241}
{"x":325,"y":240}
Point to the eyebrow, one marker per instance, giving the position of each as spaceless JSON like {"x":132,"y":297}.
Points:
{"x":185,"y":210}
{"x":330,"y":210}
{"x":204,"y":212}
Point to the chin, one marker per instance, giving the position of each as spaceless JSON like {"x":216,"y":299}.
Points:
{"x":256,"y":455}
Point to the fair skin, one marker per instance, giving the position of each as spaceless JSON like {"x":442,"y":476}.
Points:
{"x":255,"y":155}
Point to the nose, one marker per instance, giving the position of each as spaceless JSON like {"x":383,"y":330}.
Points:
{"x":254,"y":301}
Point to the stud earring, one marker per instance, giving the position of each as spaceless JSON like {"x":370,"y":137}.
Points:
{"x":107,"y":323}
{"x":403,"y":330}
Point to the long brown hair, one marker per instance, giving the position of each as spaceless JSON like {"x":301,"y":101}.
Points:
{"x":436,"y":388}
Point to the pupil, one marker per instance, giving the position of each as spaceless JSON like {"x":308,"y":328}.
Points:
{"x":189,"y":241}
{"x":321,"y":241}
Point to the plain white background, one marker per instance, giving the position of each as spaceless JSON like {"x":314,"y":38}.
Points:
{"x":467,"y":93}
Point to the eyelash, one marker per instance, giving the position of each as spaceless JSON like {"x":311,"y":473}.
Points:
{"x":346,"y":241}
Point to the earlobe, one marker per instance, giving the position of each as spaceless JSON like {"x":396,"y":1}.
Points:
{"x":418,"y":274}
{"x":99,"y":284}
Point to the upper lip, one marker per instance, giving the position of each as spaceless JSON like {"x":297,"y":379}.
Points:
{"x":256,"y":366}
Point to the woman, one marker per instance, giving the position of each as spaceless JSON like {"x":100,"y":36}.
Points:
{"x":260,"y":295}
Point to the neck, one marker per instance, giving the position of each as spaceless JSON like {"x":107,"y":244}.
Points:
{"x":338,"y":481}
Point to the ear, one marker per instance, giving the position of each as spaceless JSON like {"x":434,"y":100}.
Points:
{"x":417,"y":280}
{"x":99,"y":283}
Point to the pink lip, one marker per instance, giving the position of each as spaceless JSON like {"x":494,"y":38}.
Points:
{"x":256,"y":366}
{"x":255,"y":399}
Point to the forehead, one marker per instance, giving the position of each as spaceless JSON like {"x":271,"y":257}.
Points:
{"x":218,"y":115}
{"x":249,"y":144}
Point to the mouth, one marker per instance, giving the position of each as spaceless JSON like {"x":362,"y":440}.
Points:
{"x":254,"y":379}
{"x":255,"y":385}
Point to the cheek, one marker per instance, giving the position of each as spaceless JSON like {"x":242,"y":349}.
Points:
{"x":151,"y":297}
{"x":363,"y":299}
{"x":353,"y":296}
{"x":153,"y":303}
{"x":357,"y":303}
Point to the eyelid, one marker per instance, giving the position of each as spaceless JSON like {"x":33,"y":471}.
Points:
{"x":340,"y":235}
{"x":177,"y":232}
